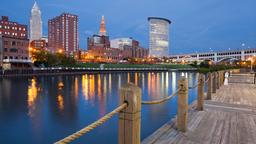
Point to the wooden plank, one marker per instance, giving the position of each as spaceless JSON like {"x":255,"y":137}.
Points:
{"x":229,"y":118}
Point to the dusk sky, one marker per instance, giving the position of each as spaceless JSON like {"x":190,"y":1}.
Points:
{"x":197,"y":25}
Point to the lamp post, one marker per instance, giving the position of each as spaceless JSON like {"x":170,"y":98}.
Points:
{"x":251,"y":59}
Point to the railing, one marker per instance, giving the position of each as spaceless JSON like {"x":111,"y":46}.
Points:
{"x":129,"y":109}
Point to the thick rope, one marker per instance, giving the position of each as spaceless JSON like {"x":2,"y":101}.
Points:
{"x":207,"y":80}
{"x":161,"y":100}
{"x":90,"y":127}
{"x":194,"y":86}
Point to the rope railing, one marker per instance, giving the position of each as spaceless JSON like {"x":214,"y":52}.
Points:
{"x":194,"y":86}
{"x":207,"y":80}
{"x":92,"y":126}
{"x":161,"y":100}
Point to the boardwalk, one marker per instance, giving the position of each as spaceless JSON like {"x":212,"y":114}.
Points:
{"x":229,"y":118}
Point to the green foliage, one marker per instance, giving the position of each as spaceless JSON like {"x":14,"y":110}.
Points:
{"x":52,"y":59}
{"x":214,"y":68}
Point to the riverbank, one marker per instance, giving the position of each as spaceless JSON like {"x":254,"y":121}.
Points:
{"x":79,"y":70}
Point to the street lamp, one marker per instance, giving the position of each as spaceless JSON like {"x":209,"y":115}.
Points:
{"x":251,"y":59}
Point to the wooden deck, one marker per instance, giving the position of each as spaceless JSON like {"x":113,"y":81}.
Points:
{"x":229,"y":118}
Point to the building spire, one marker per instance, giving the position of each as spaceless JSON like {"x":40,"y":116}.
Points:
{"x":35,"y":6}
{"x":103,"y":31}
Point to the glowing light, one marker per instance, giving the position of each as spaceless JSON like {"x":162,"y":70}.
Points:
{"x":60,"y":102}
{"x":85,"y":88}
{"x":32,"y":93}
{"x":136,"y":78}
{"x":60,"y":85}
{"x":60,"y":51}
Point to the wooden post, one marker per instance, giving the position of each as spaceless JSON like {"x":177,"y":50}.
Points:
{"x":182,"y":104}
{"x":221,"y":77}
{"x":214,"y":84}
{"x":200,"y":92}
{"x":209,"y":86}
{"x":217,"y":80}
{"x":129,"y":118}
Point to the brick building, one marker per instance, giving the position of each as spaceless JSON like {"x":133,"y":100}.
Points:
{"x":99,"y":48}
{"x":38,"y":45}
{"x":14,"y":44}
{"x":63,"y":33}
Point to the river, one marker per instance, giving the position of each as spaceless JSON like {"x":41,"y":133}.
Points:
{"x":44,"y":109}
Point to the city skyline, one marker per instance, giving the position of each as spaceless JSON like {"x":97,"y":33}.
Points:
{"x":210,"y":25}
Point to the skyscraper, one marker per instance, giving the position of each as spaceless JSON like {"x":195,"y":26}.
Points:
{"x":158,"y":36}
{"x":36,"y":31}
{"x":103,"y":31}
{"x":63,"y":33}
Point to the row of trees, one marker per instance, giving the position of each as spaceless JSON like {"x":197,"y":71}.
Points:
{"x":44,"y":58}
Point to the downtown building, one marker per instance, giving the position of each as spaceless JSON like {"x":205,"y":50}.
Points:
{"x":63,"y":34}
{"x":99,"y":49}
{"x":131,"y":48}
{"x":102,"y":49}
{"x":14,"y":45}
{"x":158,"y":37}
{"x":36,"y":24}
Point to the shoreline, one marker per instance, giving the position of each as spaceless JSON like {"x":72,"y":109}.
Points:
{"x":74,"y":71}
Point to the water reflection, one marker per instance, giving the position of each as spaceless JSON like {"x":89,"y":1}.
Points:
{"x":60,"y":102}
{"x":85,"y":88}
{"x":32,"y":96}
{"x":63,"y":104}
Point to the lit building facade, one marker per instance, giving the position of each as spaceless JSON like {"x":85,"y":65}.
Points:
{"x":36,"y":24}
{"x":38,"y":45}
{"x":243,"y":55}
{"x":98,"y":41}
{"x":121,"y":42}
{"x":158,"y":37}
{"x":12,"y":29}
{"x":63,"y":33}
{"x":101,"y":49}
{"x":14,"y":44}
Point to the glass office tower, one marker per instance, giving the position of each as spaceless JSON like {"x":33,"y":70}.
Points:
{"x":158,"y":36}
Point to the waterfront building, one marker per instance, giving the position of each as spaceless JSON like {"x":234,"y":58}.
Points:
{"x":12,"y":29}
{"x":45,"y":38}
{"x":100,"y":41}
{"x":36,"y":24}
{"x":242,"y":55}
{"x":38,"y":45}
{"x":121,"y":42}
{"x":14,"y":44}
{"x":101,"y":49}
{"x":131,"y":48}
{"x":63,"y":34}
{"x":158,"y":37}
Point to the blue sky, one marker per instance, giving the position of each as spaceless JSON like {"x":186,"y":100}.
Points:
{"x":197,"y":25}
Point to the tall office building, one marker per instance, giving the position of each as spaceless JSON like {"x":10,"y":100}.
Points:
{"x":63,"y":33}
{"x":36,"y":31}
{"x":158,"y":36}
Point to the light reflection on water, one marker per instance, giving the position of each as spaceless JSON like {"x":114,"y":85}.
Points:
{"x":50,"y":108}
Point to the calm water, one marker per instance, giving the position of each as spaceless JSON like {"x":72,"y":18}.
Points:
{"x":36,"y":110}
